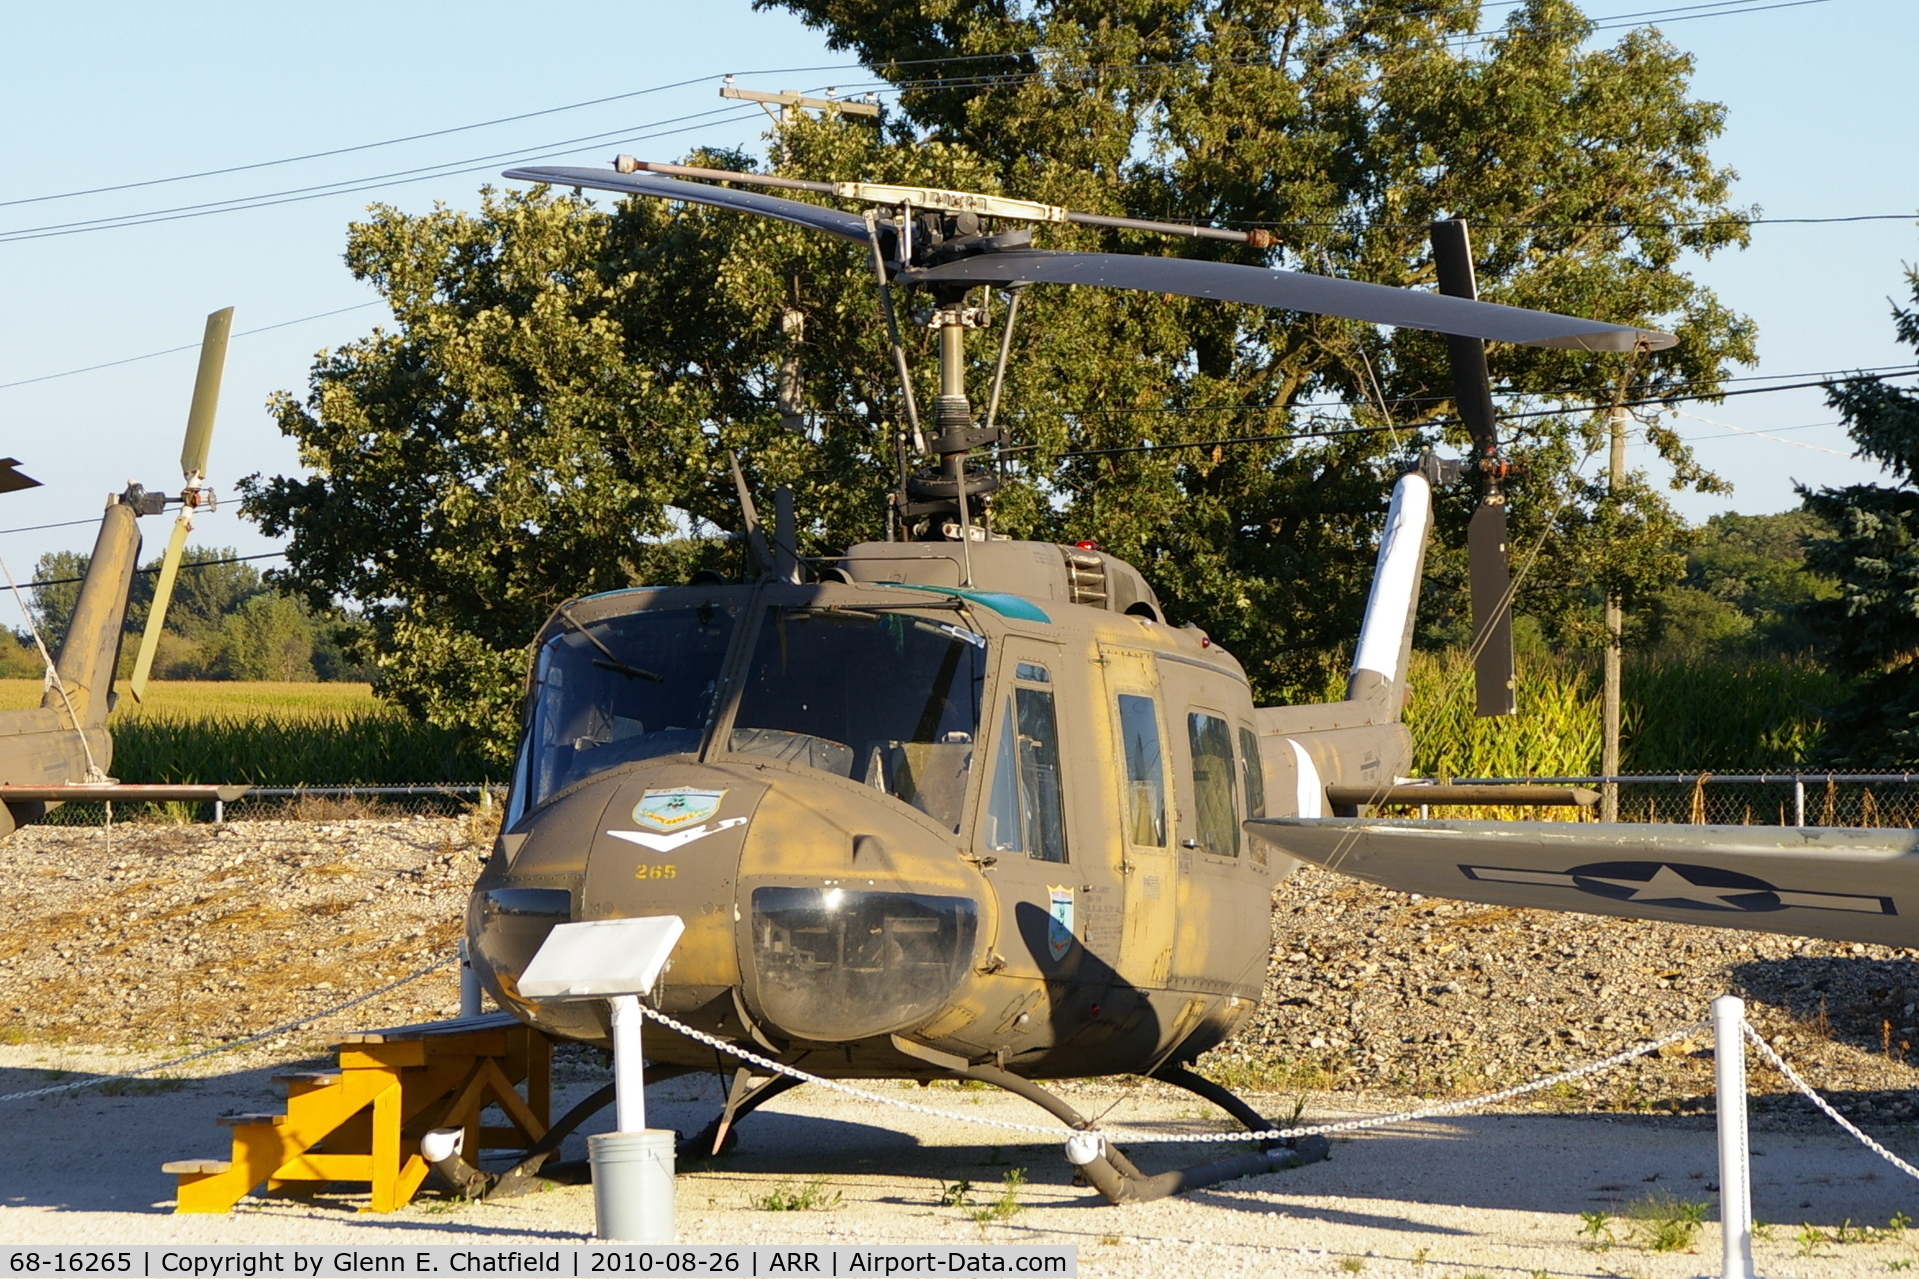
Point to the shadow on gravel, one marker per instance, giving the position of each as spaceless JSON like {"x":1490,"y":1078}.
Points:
{"x":1872,"y":1004}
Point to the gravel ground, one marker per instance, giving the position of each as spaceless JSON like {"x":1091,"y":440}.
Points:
{"x":156,"y":940}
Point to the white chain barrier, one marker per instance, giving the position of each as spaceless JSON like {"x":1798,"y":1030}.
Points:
{"x":96,"y":1081}
{"x":1792,"y":1077}
{"x":1135,"y":1137}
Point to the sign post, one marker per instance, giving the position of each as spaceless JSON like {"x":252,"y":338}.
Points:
{"x":618,"y":960}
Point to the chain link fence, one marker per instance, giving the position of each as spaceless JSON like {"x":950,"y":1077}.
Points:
{"x":1754,"y":799}
{"x":1701,"y":799}
{"x":298,"y":803}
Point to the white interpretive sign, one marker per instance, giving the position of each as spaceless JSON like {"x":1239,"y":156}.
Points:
{"x":600,"y":958}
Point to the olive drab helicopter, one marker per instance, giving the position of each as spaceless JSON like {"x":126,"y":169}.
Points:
{"x":955,"y":805}
{"x":60,"y":751}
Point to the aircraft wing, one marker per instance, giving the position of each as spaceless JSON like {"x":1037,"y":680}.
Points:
{"x":1840,"y":884}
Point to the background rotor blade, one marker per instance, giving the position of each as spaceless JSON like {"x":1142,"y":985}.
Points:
{"x":818,"y":217}
{"x":1490,"y":577}
{"x":206,"y":394}
{"x":1295,"y":291}
{"x":157,"y":613}
{"x":11,"y":480}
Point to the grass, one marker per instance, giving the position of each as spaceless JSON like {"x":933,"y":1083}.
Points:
{"x":953,"y":1194}
{"x":1662,"y":1222}
{"x":814,"y":1196}
{"x":1007,"y":1206}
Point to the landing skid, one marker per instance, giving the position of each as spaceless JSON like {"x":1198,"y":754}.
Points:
{"x":1105,"y":1168}
{"x":1110,"y":1172}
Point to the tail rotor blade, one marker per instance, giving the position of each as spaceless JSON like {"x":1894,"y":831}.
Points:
{"x":206,"y":394}
{"x":157,"y":612}
{"x":1487,"y":563}
{"x":1491,"y":577}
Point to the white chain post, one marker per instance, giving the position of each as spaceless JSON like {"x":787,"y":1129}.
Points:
{"x":629,"y":1069}
{"x":1735,"y":1165}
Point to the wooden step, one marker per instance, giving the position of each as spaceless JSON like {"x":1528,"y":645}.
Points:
{"x":196,"y":1167}
{"x":310,"y":1078}
{"x":245,"y":1121}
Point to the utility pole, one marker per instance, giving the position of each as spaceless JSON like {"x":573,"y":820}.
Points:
{"x":1615,"y":626}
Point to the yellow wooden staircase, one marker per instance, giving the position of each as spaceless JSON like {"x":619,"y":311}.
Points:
{"x":363,"y":1122}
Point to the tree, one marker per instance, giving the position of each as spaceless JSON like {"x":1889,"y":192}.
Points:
{"x":223,"y":621}
{"x":1746,"y":591}
{"x":551,"y":414}
{"x":1872,"y":623}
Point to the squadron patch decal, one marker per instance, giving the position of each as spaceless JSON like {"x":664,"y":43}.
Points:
{"x":1685,"y":887}
{"x":676,"y":808}
{"x":1059,"y":925}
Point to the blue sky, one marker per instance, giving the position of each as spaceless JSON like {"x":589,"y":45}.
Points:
{"x":104,"y":95}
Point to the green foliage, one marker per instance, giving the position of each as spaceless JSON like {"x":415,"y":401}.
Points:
{"x":381,"y":748}
{"x":550,"y":414}
{"x":1007,"y":1206}
{"x":1738,"y":713}
{"x":953,"y":1194}
{"x":1679,"y":715}
{"x":1747,"y":590}
{"x":812,"y":1197}
{"x":1555,"y":734}
{"x":1662,"y":1222}
{"x":224,"y":622}
{"x":1872,"y":621}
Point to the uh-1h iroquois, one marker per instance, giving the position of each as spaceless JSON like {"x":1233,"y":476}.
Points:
{"x":963,"y":806}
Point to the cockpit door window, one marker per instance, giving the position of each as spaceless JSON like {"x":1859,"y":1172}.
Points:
{"x":1025,"y":811}
{"x":1145,"y":796}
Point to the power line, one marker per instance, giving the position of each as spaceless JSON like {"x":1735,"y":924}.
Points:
{"x":1720,"y":8}
{"x":364,"y":146}
{"x":1565,"y":411}
{"x":348,"y":186}
{"x":173,"y":350}
{"x":184,"y":567}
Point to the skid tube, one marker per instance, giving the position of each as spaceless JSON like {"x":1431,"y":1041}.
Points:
{"x":1119,"y":1180}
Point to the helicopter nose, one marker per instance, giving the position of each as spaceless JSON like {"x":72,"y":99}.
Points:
{"x":664,"y":840}
{"x":855,"y":918}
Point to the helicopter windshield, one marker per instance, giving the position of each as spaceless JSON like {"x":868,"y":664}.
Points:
{"x":885,"y":698}
{"x":622,"y":688}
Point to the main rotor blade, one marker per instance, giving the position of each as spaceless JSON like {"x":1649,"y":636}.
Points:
{"x":206,"y":394}
{"x":11,"y":480}
{"x":832,"y":221}
{"x":157,"y":613}
{"x":1490,"y":575}
{"x":1295,"y":291}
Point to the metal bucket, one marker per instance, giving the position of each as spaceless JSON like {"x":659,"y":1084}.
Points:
{"x":633,"y":1185}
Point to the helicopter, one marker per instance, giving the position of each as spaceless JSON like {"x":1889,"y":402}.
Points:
{"x":955,"y":805}
{"x":60,"y":751}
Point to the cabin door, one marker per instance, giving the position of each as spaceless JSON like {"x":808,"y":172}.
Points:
{"x":1223,"y":908}
{"x":1141,"y":800}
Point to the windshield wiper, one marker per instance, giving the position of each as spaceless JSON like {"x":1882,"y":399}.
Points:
{"x":611,"y":662}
